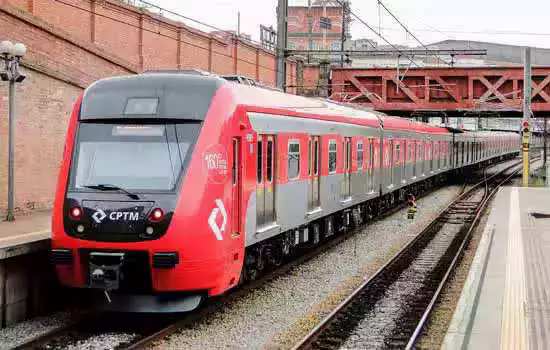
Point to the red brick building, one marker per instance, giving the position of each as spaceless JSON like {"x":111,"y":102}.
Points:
{"x":305,"y":30}
{"x":72,"y":43}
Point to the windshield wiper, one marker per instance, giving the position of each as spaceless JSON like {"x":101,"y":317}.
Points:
{"x":107,"y":187}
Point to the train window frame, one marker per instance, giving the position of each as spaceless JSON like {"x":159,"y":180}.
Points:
{"x":371,"y":155}
{"x":269,"y":158}
{"x":347,"y":155}
{"x":259,"y":161}
{"x":332,"y":165}
{"x":397,"y":151}
{"x":316,"y":156}
{"x":309,"y":157}
{"x":293,"y":156}
{"x":360,"y":155}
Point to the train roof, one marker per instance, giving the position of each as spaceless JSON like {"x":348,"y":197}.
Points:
{"x":188,"y":96}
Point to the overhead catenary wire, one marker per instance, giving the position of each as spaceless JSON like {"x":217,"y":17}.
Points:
{"x":408,"y":31}
{"x":163,"y":35}
{"x":161,"y":10}
{"x":377,"y":33}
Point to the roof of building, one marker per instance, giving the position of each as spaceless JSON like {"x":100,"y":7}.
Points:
{"x":497,"y":52}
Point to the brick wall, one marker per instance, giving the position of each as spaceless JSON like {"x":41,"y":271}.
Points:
{"x":72,"y":43}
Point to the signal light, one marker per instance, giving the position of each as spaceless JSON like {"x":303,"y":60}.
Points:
{"x":525,"y":126}
{"x":75,"y":213}
{"x":156,"y":215}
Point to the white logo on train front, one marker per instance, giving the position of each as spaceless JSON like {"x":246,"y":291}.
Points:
{"x":99,"y":216}
{"x":218,"y":230}
{"x":216,"y":163}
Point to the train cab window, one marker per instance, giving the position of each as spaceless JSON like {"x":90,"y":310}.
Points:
{"x":154,"y":156}
{"x":332,"y":154}
{"x":259,"y":170}
{"x":269,"y":159}
{"x":360,"y":155}
{"x":293,"y":159}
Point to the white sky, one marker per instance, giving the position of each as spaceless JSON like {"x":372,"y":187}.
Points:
{"x":503,"y":21}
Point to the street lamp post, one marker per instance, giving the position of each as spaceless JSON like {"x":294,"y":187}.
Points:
{"x":11,"y":54}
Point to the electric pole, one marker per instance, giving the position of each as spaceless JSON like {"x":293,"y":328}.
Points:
{"x":526,"y":123}
{"x":282,"y":12}
{"x":343,"y":33}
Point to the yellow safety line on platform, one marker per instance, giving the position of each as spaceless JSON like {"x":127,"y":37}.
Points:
{"x":514,"y":316}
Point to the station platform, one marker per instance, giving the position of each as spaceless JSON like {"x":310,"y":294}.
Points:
{"x":505,"y":302}
{"x":25,"y":235}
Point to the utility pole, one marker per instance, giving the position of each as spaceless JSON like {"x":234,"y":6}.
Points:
{"x":309,"y":30}
{"x":282,"y":13}
{"x":544,"y":140}
{"x":526,"y":123}
{"x":344,"y":5}
{"x":238,"y":23}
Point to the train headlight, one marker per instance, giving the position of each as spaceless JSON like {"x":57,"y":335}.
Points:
{"x":156,"y":215}
{"x":149,"y":230}
{"x":80,"y":228}
{"x":75,"y":213}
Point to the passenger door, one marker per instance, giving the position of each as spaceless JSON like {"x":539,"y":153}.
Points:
{"x":313,"y":172}
{"x":265,"y":187}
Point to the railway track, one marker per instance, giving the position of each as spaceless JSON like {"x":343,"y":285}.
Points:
{"x":390,"y":309}
{"x":145,"y":330}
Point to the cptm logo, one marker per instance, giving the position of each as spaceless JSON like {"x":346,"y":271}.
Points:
{"x":100,"y":215}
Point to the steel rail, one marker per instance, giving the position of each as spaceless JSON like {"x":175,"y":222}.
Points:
{"x":148,"y":340}
{"x":216,"y":303}
{"x":281,"y":271}
{"x":313,"y":335}
{"x":429,"y":309}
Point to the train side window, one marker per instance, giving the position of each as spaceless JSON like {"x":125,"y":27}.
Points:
{"x":269,"y":158}
{"x":259,"y":161}
{"x":414,"y":152}
{"x":360,"y":155}
{"x":332,"y":153}
{"x":309,"y":157}
{"x":397,"y":153}
{"x":293,"y":159}
{"x":316,"y":157}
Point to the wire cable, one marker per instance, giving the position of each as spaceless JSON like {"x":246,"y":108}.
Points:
{"x":161,"y":9}
{"x":377,"y":33}
{"x":408,"y":31}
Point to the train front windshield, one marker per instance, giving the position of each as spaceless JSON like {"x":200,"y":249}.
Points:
{"x":130,"y":156}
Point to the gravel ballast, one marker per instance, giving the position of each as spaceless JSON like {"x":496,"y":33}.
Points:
{"x":22,"y":332}
{"x":278,"y":313}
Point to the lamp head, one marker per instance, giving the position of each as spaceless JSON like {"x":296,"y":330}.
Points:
{"x":19,"y":50}
{"x":6,"y":47}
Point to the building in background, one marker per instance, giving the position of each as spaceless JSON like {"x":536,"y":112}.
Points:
{"x":497,"y":55}
{"x":317,"y":25}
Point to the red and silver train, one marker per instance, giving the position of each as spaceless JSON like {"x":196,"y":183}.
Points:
{"x":175,"y":187}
